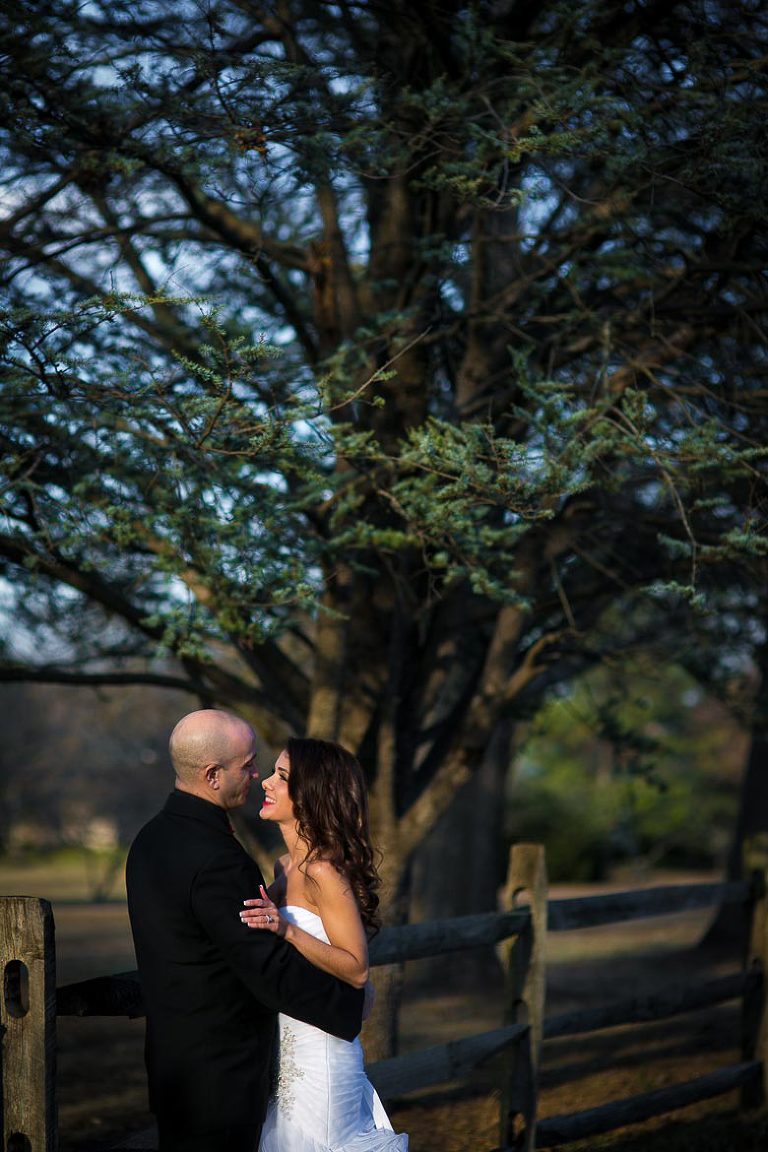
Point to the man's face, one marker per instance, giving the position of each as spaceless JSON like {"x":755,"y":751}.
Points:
{"x":234,"y":775}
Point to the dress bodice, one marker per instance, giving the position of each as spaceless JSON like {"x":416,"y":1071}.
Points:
{"x":305,"y":918}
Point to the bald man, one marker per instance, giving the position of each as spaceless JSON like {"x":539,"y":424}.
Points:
{"x":212,"y":988}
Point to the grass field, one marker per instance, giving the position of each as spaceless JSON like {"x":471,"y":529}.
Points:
{"x":101,"y":1076}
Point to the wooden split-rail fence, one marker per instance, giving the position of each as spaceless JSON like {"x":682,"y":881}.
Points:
{"x":31,"y":1003}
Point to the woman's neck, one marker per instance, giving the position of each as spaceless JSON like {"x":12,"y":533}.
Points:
{"x":296,"y":847}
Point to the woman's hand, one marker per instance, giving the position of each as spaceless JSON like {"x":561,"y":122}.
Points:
{"x":263,"y":913}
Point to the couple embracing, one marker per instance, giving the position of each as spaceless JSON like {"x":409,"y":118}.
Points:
{"x":234,"y":974}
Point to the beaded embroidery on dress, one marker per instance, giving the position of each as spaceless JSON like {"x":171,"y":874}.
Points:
{"x":323,"y":1101}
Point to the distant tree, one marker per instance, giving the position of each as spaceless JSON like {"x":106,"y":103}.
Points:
{"x":81,"y":755}
{"x":361,"y":356}
{"x":749,"y":702}
{"x":616,"y":764}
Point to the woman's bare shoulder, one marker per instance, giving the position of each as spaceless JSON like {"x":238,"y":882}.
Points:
{"x":325,"y":876}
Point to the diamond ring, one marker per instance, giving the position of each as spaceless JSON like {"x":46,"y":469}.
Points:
{"x":269,"y":918}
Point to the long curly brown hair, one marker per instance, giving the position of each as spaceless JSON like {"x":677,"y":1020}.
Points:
{"x":330,"y":803}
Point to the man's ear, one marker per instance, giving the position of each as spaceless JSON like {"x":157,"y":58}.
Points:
{"x":212,"y":776}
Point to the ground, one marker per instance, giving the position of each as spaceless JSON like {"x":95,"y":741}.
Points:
{"x":101,"y":1078}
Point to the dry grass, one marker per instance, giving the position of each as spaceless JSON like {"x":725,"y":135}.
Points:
{"x":101,"y":1077}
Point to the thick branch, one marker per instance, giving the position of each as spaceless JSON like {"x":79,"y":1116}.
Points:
{"x":432,"y":803}
{"x":49,"y":674}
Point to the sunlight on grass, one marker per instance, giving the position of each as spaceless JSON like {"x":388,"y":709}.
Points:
{"x":66,"y":874}
{"x":657,"y":934}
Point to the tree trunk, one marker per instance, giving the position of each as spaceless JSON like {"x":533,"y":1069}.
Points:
{"x":460,"y":868}
{"x":729,"y":930}
{"x":381,"y":1031}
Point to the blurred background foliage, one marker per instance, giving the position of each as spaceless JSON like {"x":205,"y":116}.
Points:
{"x":634,"y":765}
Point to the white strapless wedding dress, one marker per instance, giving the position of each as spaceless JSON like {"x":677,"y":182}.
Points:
{"x":323,"y":1101}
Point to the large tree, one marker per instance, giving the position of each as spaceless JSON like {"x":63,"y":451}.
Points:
{"x":360,"y":356}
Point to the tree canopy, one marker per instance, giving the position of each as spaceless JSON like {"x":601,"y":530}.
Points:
{"x":359,"y":357}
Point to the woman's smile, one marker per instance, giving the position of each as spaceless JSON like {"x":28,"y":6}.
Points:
{"x":277,"y":804}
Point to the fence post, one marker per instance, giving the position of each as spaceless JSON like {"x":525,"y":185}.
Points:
{"x":28,"y":1025}
{"x":755,"y":1004}
{"x":525,"y":966}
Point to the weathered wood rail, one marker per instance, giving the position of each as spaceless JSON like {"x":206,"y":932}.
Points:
{"x":519,"y":931}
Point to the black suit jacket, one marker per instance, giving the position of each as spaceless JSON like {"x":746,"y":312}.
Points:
{"x":212,"y":986}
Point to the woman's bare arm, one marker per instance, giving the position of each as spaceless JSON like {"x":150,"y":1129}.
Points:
{"x":346,"y":956}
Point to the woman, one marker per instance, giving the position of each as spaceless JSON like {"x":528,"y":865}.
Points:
{"x":324,"y":902}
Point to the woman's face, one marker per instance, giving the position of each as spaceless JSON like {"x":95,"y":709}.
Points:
{"x":277,"y":804}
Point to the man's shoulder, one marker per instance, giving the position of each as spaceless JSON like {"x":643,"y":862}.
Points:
{"x":187,"y":854}
{"x":168,"y":837}
{"x":186,"y":816}
{"x":157,"y":824}
{"x":147,"y":831}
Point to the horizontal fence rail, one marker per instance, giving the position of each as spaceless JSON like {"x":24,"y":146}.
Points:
{"x":655,"y":1006}
{"x":615,"y":907}
{"x":436,"y":937}
{"x":443,"y":1063}
{"x":118,"y":995}
{"x":555,"y":1130}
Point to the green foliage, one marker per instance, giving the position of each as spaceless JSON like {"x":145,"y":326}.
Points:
{"x":633,"y":764}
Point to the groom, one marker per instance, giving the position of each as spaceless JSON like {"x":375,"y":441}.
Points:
{"x":211,"y":987}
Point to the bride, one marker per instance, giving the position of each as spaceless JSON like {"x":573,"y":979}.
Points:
{"x":323,"y":901}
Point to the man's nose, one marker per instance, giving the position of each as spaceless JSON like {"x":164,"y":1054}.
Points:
{"x":254,"y":773}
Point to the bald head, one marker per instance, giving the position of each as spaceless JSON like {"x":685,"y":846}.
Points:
{"x":207,"y":739}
